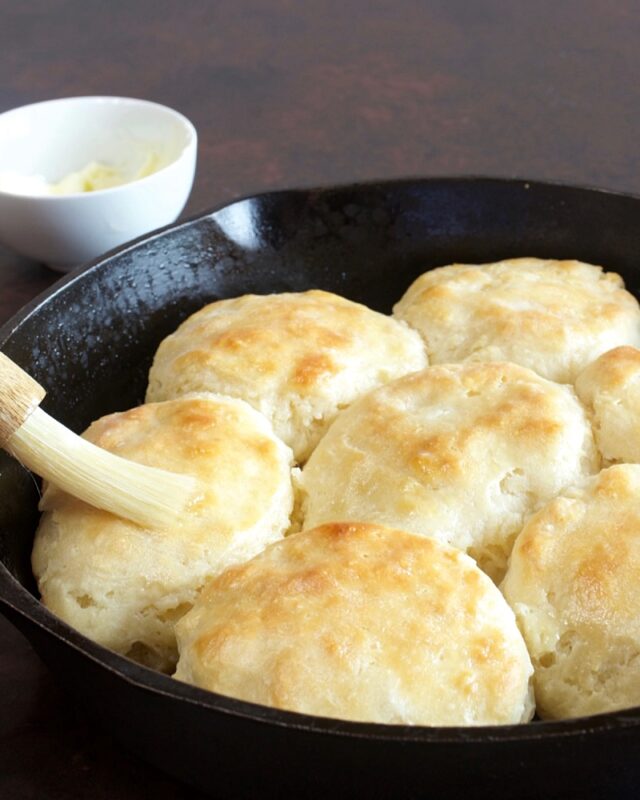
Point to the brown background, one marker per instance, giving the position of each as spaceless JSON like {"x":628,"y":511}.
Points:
{"x":287,"y":93}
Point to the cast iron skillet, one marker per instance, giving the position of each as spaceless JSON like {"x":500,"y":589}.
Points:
{"x":90,"y":340}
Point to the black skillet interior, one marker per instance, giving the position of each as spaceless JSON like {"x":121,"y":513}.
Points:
{"x":90,"y":341}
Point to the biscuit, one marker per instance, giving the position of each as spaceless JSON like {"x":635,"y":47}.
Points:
{"x":610,"y":389}
{"x":554,"y":317}
{"x":574,"y":585}
{"x":297,"y":358}
{"x":459,"y":452}
{"x":360,"y":622}
{"x":124,"y":586}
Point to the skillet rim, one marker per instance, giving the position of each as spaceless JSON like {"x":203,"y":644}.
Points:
{"x":16,"y":598}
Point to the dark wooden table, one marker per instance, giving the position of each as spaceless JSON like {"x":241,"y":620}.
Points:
{"x":287,"y":93}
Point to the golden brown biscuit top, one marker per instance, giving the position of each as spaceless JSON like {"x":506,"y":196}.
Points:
{"x":123,"y":585}
{"x":460,"y":452}
{"x":610,"y":389}
{"x":360,"y":622}
{"x":298,"y":340}
{"x":582,"y":551}
{"x":282,"y":337}
{"x":574,"y":584}
{"x":220,"y":441}
{"x":551,"y":316}
{"x":613,"y":370}
{"x":297,"y":357}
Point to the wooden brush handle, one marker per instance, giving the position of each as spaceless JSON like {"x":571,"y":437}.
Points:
{"x":20,"y":395}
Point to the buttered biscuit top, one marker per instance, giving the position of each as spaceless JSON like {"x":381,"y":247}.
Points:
{"x":574,"y":584}
{"x":125,"y":586}
{"x":297,"y":358}
{"x":461,"y":453}
{"x":610,"y":389}
{"x":551,"y":316}
{"x":360,"y":622}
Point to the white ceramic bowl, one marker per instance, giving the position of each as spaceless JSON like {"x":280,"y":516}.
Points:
{"x":58,"y":137}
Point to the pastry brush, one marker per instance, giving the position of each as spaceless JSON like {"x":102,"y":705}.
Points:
{"x":148,"y":496}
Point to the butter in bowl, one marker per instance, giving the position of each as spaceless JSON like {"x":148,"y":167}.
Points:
{"x":82,"y":175}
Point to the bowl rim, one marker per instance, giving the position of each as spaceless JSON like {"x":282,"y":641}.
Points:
{"x":189,"y":147}
{"x":17,"y":599}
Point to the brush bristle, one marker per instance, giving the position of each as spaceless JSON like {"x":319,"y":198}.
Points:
{"x":150,"y":497}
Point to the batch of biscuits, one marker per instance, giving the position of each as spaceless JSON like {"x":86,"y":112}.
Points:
{"x":424,"y":518}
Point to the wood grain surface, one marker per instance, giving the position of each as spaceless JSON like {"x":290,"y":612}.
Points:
{"x":287,"y":93}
